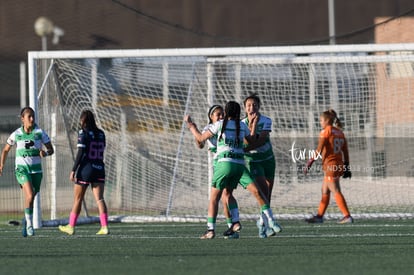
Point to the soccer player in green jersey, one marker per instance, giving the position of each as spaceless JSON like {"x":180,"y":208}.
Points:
{"x":230,"y":205}
{"x":261,"y":160}
{"x":230,"y":133}
{"x":32,"y":144}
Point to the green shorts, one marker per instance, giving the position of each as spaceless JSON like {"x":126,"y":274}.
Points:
{"x":227,"y":175}
{"x":264,"y":168}
{"x":246,"y":179}
{"x":23,"y":177}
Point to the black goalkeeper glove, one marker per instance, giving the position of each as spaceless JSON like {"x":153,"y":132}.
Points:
{"x":347,"y":171}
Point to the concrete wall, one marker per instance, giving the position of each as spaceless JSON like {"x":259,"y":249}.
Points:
{"x":104,"y":24}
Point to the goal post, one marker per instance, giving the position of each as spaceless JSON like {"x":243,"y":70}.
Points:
{"x":154,"y":170}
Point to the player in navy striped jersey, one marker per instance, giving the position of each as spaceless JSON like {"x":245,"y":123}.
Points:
{"x":88,"y":169}
{"x":29,"y":140}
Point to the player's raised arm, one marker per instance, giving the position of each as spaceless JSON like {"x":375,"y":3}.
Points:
{"x":200,"y":137}
{"x":199,"y":144}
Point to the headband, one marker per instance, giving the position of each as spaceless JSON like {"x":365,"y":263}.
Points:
{"x":212,"y":109}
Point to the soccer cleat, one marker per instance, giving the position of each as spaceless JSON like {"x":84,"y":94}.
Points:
{"x":345,"y":220}
{"x":233,"y":235}
{"x":103,"y":231}
{"x":70,"y":230}
{"x":228,"y":232}
{"x":209,"y":234}
{"x":30,"y":231}
{"x":236,"y":227}
{"x":270,"y":232}
{"x":275,"y":227}
{"x":315,"y":219}
{"x":262,"y":229}
{"x":24,"y":229}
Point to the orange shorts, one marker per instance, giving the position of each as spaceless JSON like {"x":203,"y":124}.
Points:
{"x":330,"y":179}
{"x":333,"y":171}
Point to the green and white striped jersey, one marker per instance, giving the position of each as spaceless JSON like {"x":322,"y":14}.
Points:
{"x":265,"y":151}
{"x":211,"y":142}
{"x":227,"y":148}
{"x":28,"y":146}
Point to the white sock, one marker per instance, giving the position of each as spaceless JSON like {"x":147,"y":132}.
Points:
{"x":268,"y":214}
{"x":211,"y":226}
{"x":29,"y":219}
{"x":264,"y":219}
{"x":261,"y":221}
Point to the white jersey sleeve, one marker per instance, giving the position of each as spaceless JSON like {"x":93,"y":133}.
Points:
{"x":12,"y":139}
{"x":215,"y":127}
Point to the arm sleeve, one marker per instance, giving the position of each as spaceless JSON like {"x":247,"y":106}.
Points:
{"x":246,"y":130}
{"x":345,"y":152}
{"x":213,"y":128}
{"x":12,"y":139}
{"x":45,"y":137}
{"x":267,"y":126}
{"x":78,"y":158}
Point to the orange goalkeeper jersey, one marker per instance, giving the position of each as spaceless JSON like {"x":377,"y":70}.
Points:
{"x":334,"y":150}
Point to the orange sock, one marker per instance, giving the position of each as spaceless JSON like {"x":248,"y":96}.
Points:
{"x":323,"y":204}
{"x":340,"y":201}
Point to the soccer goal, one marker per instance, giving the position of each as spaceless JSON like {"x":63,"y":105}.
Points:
{"x":154,"y":169}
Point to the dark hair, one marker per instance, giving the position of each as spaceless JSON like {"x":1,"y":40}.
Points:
{"x":211,"y":111}
{"x":332,"y":118}
{"x":254,"y":97}
{"x":88,"y":121}
{"x":25,"y":110}
{"x":232,"y":110}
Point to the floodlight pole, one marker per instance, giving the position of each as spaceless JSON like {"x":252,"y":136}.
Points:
{"x":44,"y":43}
{"x":334,"y":94}
{"x":331,"y":12}
{"x":43,"y":27}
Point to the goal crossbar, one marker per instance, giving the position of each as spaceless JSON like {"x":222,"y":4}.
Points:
{"x":154,"y":169}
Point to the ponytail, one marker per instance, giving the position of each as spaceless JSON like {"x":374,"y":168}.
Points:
{"x":237,"y":121}
{"x":333,"y":118}
{"x":223,"y":127}
{"x":232,"y":110}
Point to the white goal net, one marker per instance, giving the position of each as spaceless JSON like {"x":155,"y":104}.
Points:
{"x":155,"y":171}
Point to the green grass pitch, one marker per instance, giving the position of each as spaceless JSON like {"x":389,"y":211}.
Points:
{"x":380,"y":246}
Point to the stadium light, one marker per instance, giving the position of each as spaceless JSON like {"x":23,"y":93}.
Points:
{"x":43,"y":27}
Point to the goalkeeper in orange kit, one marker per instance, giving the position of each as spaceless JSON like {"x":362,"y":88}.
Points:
{"x":333,"y":148}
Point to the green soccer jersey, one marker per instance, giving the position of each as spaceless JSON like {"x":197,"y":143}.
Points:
{"x":228,"y":149}
{"x":28,"y":146}
{"x":265,"y":151}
